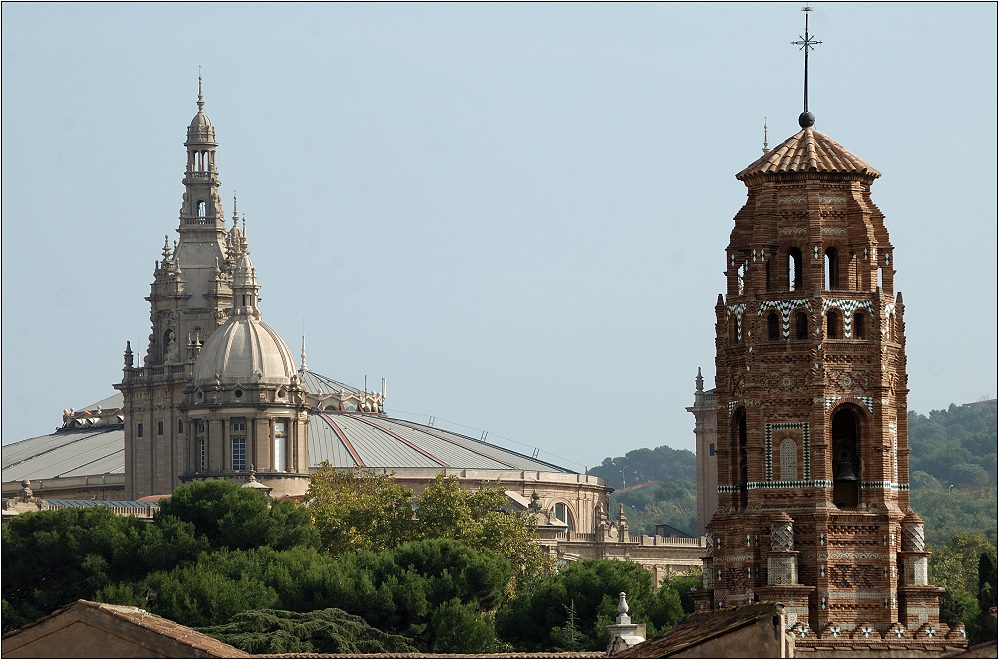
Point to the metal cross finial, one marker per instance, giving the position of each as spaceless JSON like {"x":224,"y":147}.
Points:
{"x":806,"y":44}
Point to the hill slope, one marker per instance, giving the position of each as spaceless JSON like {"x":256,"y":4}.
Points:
{"x":953,"y":464}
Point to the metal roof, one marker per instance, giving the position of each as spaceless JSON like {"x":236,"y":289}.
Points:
{"x":344,"y":439}
{"x":68,"y":453}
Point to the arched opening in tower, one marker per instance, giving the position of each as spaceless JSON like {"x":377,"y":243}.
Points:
{"x":739,"y":440}
{"x":794,"y":272}
{"x":846,"y":459}
{"x":832,"y":269}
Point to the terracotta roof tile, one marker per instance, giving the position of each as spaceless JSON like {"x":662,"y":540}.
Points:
{"x":157,"y":624}
{"x":808,"y":151}
{"x":699,"y":627}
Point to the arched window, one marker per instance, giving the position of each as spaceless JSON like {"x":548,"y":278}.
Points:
{"x":788,"y":460}
{"x":794,"y":273}
{"x":562,"y":513}
{"x":832,"y":268}
{"x":739,"y":437}
{"x":832,"y":324}
{"x":201,"y":211}
{"x":859,"y":326}
{"x":769,"y":270}
{"x":741,"y":277}
{"x":734,"y":330}
{"x":801,"y":325}
{"x":846,"y":467}
{"x":773,"y":326}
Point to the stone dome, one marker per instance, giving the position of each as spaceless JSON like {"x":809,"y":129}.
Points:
{"x":244,"y":351}
{"x":201,"y":122}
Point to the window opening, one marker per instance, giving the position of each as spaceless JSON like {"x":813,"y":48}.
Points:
{"x":846,"y":462}
{"x":238,"y":428}
{"x":801,"y":326}
{"x":859,"y":331}
{"x":562,"y":513}
{"x":794,"y":272}
{"x":773,"y":327}
{"x":280,"y":446}
{"x":832,"y":268}
{"x":832,"y":325}
{"x":740,"y":438}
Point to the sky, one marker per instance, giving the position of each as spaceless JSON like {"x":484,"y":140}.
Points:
{"x":516,"y":213}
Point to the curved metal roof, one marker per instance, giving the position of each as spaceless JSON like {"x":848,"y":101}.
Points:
{"x":344,"y":439}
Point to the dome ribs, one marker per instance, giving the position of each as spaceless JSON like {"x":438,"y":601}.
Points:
{"x":343,"y":438}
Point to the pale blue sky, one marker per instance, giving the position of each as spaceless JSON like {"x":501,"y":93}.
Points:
{"x":516,"y":213}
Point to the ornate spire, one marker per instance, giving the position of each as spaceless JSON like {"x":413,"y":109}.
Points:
{"x":766,"y":147}
{"x":166,"y":248}
{"x":304,"y":366}
{"x":235,"y":213}
{"x":699,"y":381}
{"x":201,"y":99}
{"x":129,"y":358}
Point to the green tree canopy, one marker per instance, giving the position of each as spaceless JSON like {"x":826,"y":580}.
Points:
{"x":321,"y":631}
{"x":359,"y":510}
{"x":51,"y":558}
{"x":537,"y":620}
{"x":231,"y":516}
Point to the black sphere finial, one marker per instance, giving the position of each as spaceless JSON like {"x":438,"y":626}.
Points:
{"x":806,"y":120}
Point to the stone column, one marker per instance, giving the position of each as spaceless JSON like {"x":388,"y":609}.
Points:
{"x":919,"y":602}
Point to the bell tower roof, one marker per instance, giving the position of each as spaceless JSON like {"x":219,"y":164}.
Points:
{"x":200,"y":130}
{"x":808,"y":151}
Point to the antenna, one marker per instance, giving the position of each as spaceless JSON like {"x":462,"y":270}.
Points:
{"x":806,"y":44}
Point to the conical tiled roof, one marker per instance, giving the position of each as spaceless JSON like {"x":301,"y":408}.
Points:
{"x":808,"y":151}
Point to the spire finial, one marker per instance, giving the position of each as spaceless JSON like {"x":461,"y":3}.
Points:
{"x":304,"y":366}
{"x":766,"y":147}
{"x":235,"y":215}
{"x":166,"y":247}
{"x":806,"y":43}
{"x":201,"y":99}
{"x":699,"y":381}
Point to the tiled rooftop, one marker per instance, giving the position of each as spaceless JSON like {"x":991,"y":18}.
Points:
{"x":700,"y":627}
{"x":808,"y":151}
{"x":157,"y":624}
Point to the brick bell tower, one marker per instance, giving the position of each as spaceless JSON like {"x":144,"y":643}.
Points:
{"x":812,"y":446}
{"x":810,"y":393}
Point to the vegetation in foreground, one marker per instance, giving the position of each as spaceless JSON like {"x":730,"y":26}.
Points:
{"x":353,"y":573}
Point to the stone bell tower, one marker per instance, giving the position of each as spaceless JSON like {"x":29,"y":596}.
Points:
{"x":812,"y":445}
{"x":189,"y":298}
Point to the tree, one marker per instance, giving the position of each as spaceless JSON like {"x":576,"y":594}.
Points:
{"x":477,"y":518}
{"x":52,"y":558}
{"x":462,"y":628}
{"x":355,"y":509}
{"x":234,"y":517}
{"x":535,"y":620}
{"x":964,"y":567}
{"x":331,"y":630}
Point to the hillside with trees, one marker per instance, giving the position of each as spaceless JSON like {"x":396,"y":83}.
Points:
{"x":952,"y":468}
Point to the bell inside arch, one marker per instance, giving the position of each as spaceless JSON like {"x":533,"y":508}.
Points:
{"x":844,"y":469}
